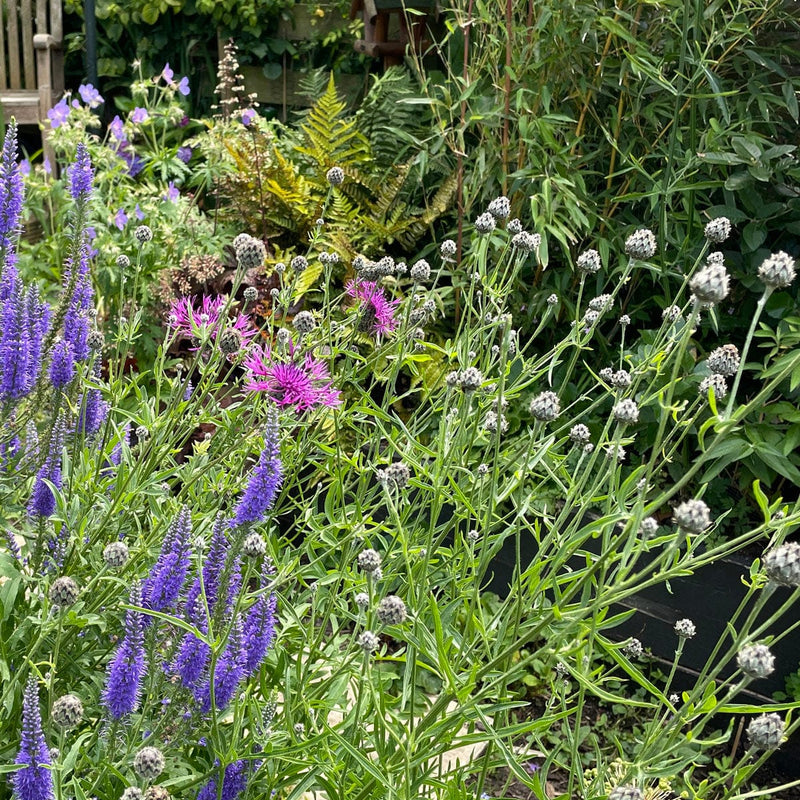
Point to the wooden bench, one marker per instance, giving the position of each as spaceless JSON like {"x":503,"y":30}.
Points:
{"x":31,"y":62}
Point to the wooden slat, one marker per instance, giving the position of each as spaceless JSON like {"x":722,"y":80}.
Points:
{"x":41,"y":16}
{"x":56,"y":25}
{"x":28,"y":63}
{"x":12,"y":26}
{"x":3,"y":70}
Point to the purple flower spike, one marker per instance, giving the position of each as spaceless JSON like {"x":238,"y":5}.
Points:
{"x":259,"y":629}
{"x":35,"y":780}
{"x":76,"y":321}
{"x":81,"y":175}
{"x":62,"y":365}
{"x":93,"y":409}
{"x":163,"y":586}
{"x":234,"y":781}
{"x":127,"y":668}
{"x":12,"y":192}
{"x":43,"y":501}
{"x":228,"y":672}
{"x":265,"y":479}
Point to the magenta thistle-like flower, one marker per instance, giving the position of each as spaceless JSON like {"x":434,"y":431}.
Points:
{"x":35,"y":780}
{"x":377,"y":312}
{"x":302,"y":382}
{"x":187,"y":318}
{"x":127,"y":668}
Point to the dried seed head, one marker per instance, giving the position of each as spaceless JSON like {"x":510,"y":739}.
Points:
{"x":250,"y":294}
{"x":626,"y":412}
{"x":715,"y":382}
{"x":591,"y":316}
{"x":724,"y":360}
{"x":588,"y":262}
{"x":395,"y":476}
{"x":711,"y":284}
{"x":63,"y":592}
{"x":329,"y":258}
{"x":299,"y":264}
{"x":626,"y":793}
{"x":693,"y":516}
{"x":254,"y":545}
{"x":527,"y":242}
{"x":756,"y":661}
{"x":250,"y":252}
{"x":782,"y":564}
{"x":545,"y":407}
{"x":485,"y":224}
{"x":606,"y":374}
{"x":777,"y":270}
{"x":67,"y":711}
{"x":641,"y":244}
{"x":579,"y":433}
{"x":230,"y":341}
{"x":143,"y":234}
{"x":148,"y":763}
{"x":685,"y":628}
{"x":304,"y":322}
{"x":766,"y":732}
{"x":95,"y":340}
{"x":421,"y":271}
{"x":447,"y":248}
{"x":621,"y":379}
{"x":335,"y":176}
{"x":391,"y":610}
{"x":500,"y":208}
{"x":116,"y":554}
{"x":715,"y":257}
{"x":369,"y":560}
{"x":514,"y":226}
{"x":368,"y":642}
{"x":718,"y":230}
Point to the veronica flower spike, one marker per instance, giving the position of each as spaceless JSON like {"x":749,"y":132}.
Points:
{"x":127,"y":668}
{"x":35,"y":780}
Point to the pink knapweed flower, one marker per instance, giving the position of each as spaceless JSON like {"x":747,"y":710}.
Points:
{"x":302,"y":382}
{"x":377,"y":312}
{"x":187,"y":318}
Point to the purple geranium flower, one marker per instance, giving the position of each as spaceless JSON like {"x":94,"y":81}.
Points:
{"x":138,"y":212}
{"x":120,"y":219}
{"x":248,"y":115}
{"x":117,"y":129}
{"x":185,"y":154}
{"x":90,"y":95}
{"x":48,"y":167}
{"x":172,"y":193}
{"x":58,"y":113}
{"x":139,"y":115}
{"x":167,"y":73}
{"x":183,"y":86}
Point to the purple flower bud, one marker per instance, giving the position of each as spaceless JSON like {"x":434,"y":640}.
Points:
{"x":127,"y":668}
{"x":163,"y":586}
{"x":62,"y":365}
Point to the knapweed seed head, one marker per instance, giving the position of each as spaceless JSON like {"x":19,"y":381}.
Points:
{"x":526,"y":242}
{"x":715,"y":382}
{"x":132,"y":793}
{"x":143,"y":234}
{"x":724,"y":360}
{"x":579,"y":434}
{"x":230,"y":341}
{"x":552,"y":300}
{"x":335,"y":176}
{"x":485,"y":224}
{"x":766,"y":732}
{"x":514,"y":226}
{"x":626,"y":412}
{"x":395,"y":476}
{"x":254,"y":545}
{"x":368,"y":642}
{"x":304,"y":322}
{"x":123,"y":262}
{"x":67,"y":712}
{"x":250,"y":294}
{"x":369,"y":560}
{"x":116,"y":554}
{"x":718,"y":230}
{"x":545,"y":407}
{"x":621,"y":379}
{"x":693,"y":516}
{"x":421,"y":271}
{"x":250,"y":252}
{"x":362,"y":600}
{"x":648,"y":528}
{"x":777,"y":271}
{"x":148,"y":763}
{"x":590,"y":317}
{"x":589,"y":262}
{"x":711,"y":284}
{"x":500,"y":208}
{"x":641,"y":244}
{"x":470,"y":379}
{"x":628,"y":792}
{"x":756,"y":661}
{"x":447,"y":249}
{"x":299,"y":264}
{"x":782,"y":564}
{"x":328,"y":258}
{"x":95,"y":340}
{"x":157,"y":793}
{"x":63,"y":592}
{"x":685,"y":629}
{"x":391,"y":610}
{"x":715,"y":257}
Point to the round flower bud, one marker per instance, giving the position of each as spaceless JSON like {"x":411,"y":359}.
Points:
{"x":500,"y":207}
{"x":362,"y":600}
{"x":579,"y":433}
{"x":766,"y":732}
{"x":230,"y":341}
{"x":588,"y":262}
{"x":671,"y":313}
{"x":473,"y":536}
{"x":715,"y":382}
{"x":395,"y":476}
{"x":685,"y":628}
{"x":304,"y":322}
{"x":335,"y":176}
{"x":648,"y":527}
{"x":491,"y":422}
{"x":718,"y":230}
{"x":299,"y":263}
{"x":545,"y":407}
{"x":156,"y":793}
{"x":601,"y":304}
{"x":633,"y":649}
{"x":621,"y":379}
{"x":724,"y":360}
{"x":447,"y":248}
{"x":421,"y":271}
{"x":96,"y":340}
{"x":641,"y":244}
{"x":552,"y":300}
{"x":250,"y":252}
{"x":67,"y":711}
{"x":778,"y":270}
{"x":470,"y":379}
{"x":626,"y":412}
{"x":123,"y":262}
{"x":624,"y":320}
{"x":453,"y":378}
{"x":369,"y":560}
{"x":756,"y":661}
{"x":527,"y":242}
{"x":132,"y":793}
{"x":626,"y":793}
{"x":591,"y":316}
{"x":782,"y":564}
{"x":63,"y":592}
{"x":485,"y":224}
{"x":280,"y":268}
{"x":391,"y":610}
{"x":711,"y":284}
{"x":143,"y":234}
{"x":148,"y":763}
{"x":368,"y":642}
{"x":514,"y":226}
{"x":715,"y":257}
{"x":693,"y":516}
{"x":116,"y":554}
{"x":384,"y":266}
{"x":254,"y":545}
{"x":606,"y":374}
{"x":329,"y":258}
